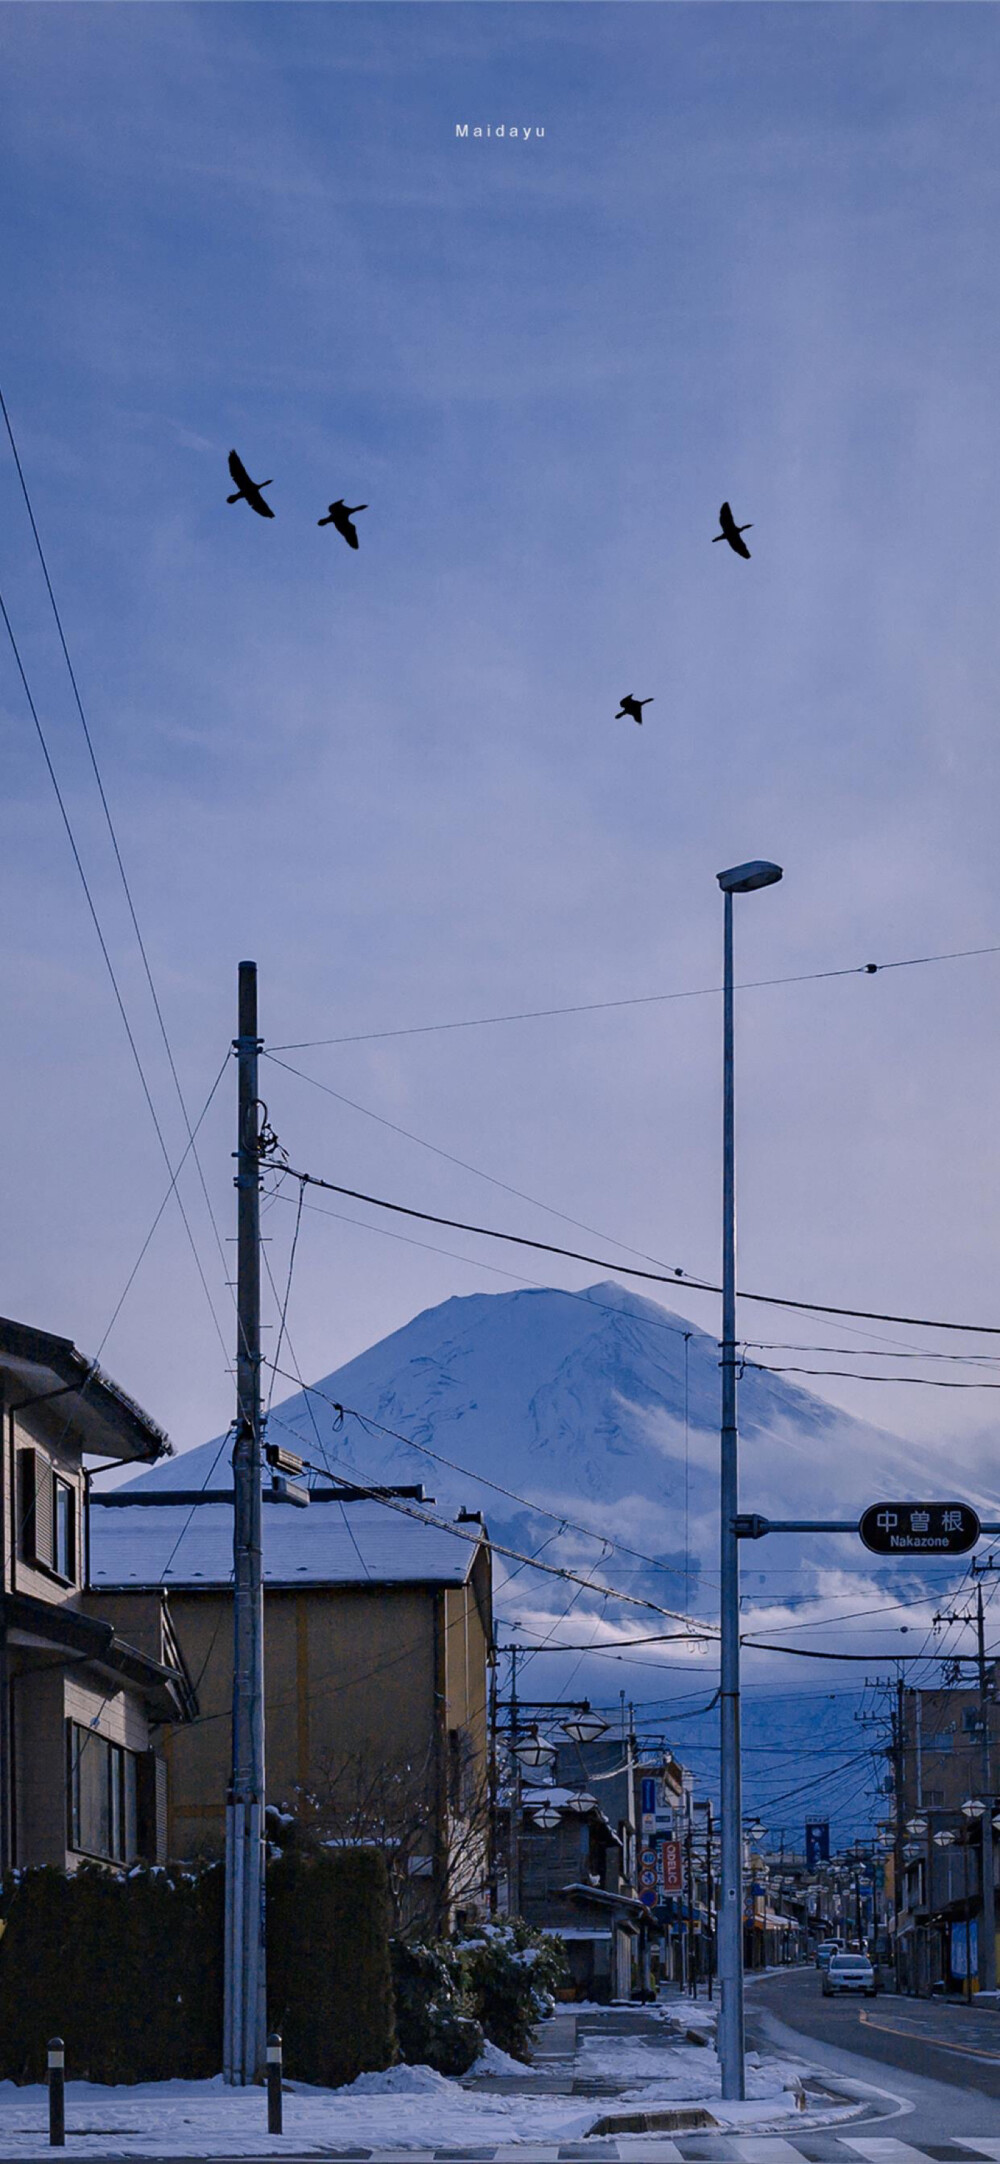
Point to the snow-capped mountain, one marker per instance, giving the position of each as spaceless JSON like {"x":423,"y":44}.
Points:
{"x":598,"y":1407}
{"x":585,"y":1426}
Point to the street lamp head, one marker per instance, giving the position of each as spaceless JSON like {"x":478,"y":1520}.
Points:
{"x":944,"y":1840}
{"x":533,"y":1750}
{"x":916,"y":1825}
{"x":744,"y":877}
{"x":583,"y":1727}
{"x":973,"y":1808}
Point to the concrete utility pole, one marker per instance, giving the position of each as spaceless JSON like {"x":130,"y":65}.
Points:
{"x":245,"y":2022}
{"x":742,"y":879}
{"x":987,"y":1934}
{"x":898,"y":1717}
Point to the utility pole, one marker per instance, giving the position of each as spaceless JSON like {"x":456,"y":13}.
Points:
{"x":245,"y":2018}
{"x":514,"y":1801}
{"x":987,"y":1934}
{"x":897,"y":1830}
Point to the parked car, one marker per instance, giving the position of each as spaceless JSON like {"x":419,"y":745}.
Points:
{"x":826,"y":1949}
{"x":849,"y":1972}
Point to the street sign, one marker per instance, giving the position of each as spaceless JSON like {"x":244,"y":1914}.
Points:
{"x":671,"y":1867}
{"x":919,"y":1528}
{"x":817,"y":1842}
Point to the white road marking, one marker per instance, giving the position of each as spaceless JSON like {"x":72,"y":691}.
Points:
{"x":768,"y":2149}
{"x":884,"y":2149}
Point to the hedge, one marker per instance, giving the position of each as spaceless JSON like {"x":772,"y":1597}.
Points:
{"x":128,"y":1970}
{"x":329,"y":1975}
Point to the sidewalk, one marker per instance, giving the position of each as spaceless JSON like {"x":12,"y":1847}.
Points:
{"x":618,"y":2069}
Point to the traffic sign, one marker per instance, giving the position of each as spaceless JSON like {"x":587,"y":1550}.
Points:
{"x":919,"y":1528}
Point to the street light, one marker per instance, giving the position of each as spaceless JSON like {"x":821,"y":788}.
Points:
{"x":547,"y":1817}
{"x":584,"y":1727}
{"x":533,"y":1750}
{"x":741,"y":879}
{"x":916,"y":1826}
{"x":972,"y":1808}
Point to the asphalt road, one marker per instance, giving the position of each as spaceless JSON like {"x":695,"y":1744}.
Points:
{"x":940,"y":2063}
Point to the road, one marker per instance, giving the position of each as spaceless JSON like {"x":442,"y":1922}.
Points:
{"x":942,"y":2063}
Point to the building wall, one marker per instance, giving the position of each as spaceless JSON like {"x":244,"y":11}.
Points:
{"x":358,"y":1680}
{"x":942,"y":1752}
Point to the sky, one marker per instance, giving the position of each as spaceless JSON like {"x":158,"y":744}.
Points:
{"x":753,"y":256}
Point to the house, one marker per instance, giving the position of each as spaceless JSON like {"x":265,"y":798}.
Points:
{"x":81,"y":1699}
{"x":378,"y":1640}
{"x":570,"y":1881}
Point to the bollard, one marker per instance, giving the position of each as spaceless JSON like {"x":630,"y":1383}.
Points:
{"x":57,"y":2096}
{"x":274,"y":2083}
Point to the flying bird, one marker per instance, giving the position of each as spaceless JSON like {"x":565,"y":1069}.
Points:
{"x":248,"y":491}
{"x":731,"y":532}
{"x":632,"y":707}
{"x":340,"y":515}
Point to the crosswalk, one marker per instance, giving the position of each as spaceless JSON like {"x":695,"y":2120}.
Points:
{"x":820,"y":2147}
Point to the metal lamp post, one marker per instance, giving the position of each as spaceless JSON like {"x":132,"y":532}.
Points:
{"x":741,"y":879}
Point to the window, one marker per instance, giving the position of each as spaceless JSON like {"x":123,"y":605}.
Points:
{"x":64,"y":1530}
{"x":46,"y":1515}
{"x":101,"y":1789}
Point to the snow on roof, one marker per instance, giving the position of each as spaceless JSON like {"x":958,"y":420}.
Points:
{"x":331,"y":1543}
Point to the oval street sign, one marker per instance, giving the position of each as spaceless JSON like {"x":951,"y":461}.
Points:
{"x":919,"y":1528}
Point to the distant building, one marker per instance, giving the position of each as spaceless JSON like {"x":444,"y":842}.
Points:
{"x":940,"y":1909}
{"x":378,"y":1638}
{"x":571,"y":1883}
{"x":82,"y":1699}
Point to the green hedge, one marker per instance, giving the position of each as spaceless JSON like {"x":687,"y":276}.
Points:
{"x":128,"y":1970}
{"x":329,"y":1975}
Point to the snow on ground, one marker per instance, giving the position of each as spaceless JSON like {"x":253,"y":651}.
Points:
{"x":406,"y":2107}
{"x":179,"y":2118}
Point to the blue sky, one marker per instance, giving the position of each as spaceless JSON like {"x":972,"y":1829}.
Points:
{"x":753,"y":257}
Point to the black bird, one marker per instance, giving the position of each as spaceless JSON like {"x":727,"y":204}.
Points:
{"x":248,"y":491}
{"x":731,"y":532}
{"x":632,"y":707}
{"x":340,"y":515}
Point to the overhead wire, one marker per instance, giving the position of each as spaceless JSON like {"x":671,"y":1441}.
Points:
{"x":78,"y":700}
{"x":690,"y":1283}
{"x":367,"y":1421}
{"x":450,"y":1158}
{"x":648,"y":999}
{"x":33,"y":710}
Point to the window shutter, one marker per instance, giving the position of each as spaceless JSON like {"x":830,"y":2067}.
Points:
{"x":27,"y":1474}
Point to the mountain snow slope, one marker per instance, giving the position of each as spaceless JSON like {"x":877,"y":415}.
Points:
{"x":575,"y":1403}
{"x":542,"y":1407}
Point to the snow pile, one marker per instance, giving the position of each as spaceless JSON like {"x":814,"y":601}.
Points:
{"x":400,"y":2081}
{"x":492,"y":2060}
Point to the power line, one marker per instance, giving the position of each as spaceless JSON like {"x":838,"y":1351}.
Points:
{"x":647,"y":999}
{"x":915,"y":1382}
{"x":348,"y":1479}
{"x":624,"y":1269}
{"x":569,"y":1524}
{"x":110,"y":822}
{"x":33,"y":710}
{"x":462,"y":1162}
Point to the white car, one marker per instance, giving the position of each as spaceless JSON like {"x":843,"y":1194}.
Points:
{"x":849,"y":1972}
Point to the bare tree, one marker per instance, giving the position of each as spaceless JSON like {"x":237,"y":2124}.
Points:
{"x":430,"y":1822}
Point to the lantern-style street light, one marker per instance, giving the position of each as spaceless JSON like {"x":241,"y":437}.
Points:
{"x":583,"y":1727}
